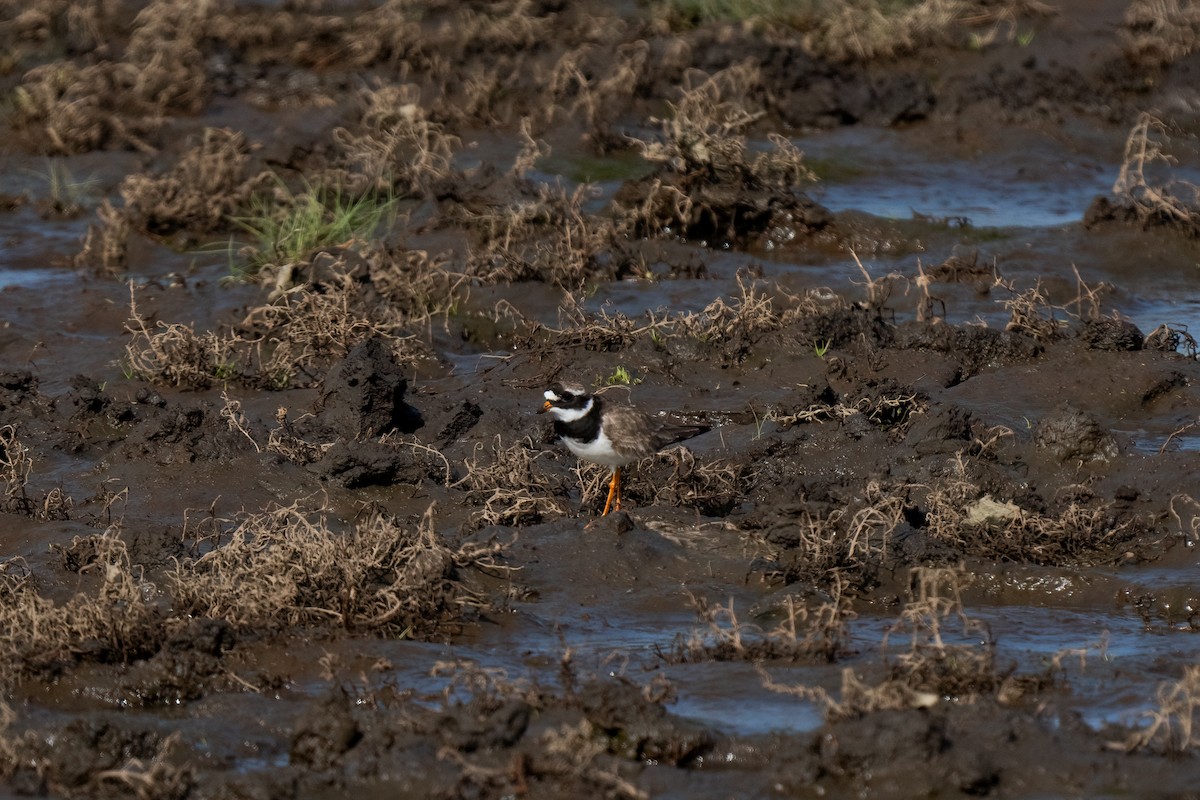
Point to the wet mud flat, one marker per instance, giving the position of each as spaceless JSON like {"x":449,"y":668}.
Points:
{"x":283,"y":286}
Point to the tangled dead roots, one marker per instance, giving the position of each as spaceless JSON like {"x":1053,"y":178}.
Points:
{"x":284,"y":567}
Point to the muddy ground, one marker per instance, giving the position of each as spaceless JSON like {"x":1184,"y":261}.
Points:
{"x":279,"y":517}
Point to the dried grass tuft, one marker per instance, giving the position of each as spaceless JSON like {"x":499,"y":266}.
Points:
{"x":119,"y":622}
{"x":1157,"y":33}
{"x":932,"y":664}
{"x":288,"y":342}
{"x":734,"y":328}
{"x":1077,"y":534}
{"x":933,"y":668}
{"x":546,"y":235}
{"x":68,"y":108}
{"x":1144,"y":184}
{"x":508,"y":485}
{"x":868,"y":30}
{"x":707,"y":186}
{"x":802,"y":632}
{"x":160,"y":777}
{"x":106,"y":245}
{"x":16,"y":467}
{"x":1030,"y":312}
{"x":395,"y":149}
{"x":1172,"y":726}
{"x":174,"y":354}
{"x":209,"y":185}
{"x":285,"y":567}
{"x":711,"y":487}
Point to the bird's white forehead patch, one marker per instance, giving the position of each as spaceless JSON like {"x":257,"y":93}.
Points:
{"x":552,"y":396}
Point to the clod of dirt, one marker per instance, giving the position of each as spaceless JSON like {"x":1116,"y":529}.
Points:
{"x":18,"y":383}
{"x":943,"y":430}
{"x":1070,"y":434}
{"x":372,"y":463}
{"x":467,"y":416}
{"x":640,"y":729}
{"x":183,"y":433}
{"x":85,"y":748}
{"x":325,"y":735}
{"x":364,"y":394}
{"x":469,"y":728}
{"x":1112,"y":334}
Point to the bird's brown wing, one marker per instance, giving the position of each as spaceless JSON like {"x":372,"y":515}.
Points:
{"x":636,"y":435}
{"x":632,"y":433}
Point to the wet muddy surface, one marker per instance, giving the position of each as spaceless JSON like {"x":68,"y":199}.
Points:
{"x":282,"y":288}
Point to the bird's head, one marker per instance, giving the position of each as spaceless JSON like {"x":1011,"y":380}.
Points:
{"x":567,"y":402}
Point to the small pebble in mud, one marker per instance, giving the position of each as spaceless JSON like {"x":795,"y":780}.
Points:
{"x":1126,"y":493}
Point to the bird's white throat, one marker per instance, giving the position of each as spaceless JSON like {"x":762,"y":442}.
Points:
{"x":569,"y":414}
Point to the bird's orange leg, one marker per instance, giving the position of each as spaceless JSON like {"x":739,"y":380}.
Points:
{"x":614,"y":490}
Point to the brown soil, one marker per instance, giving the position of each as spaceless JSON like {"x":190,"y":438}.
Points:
{"x":301,"y":534}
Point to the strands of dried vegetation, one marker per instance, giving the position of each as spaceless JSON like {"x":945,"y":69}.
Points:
{"x":287,"y":342}
{"x":595,"y":96}
{"x":886,"y":410}
{"x":1030,"y":312}
{"x":701,"y":135}
{"x":707,"y":186}
{"x":673,"y":477}
{"x":712,"y":487}
{"x":602,"y":331}
{"x":16,"y":467}
{"x":931,"y":664}
{"x":959,"y":513}
{"x":1172,"y":727}
{"x":870,"y":29}
{"x":106,"y":245}
{"x":544,"y":236}
{"x":728,"y":328}
{"x":209,"y":184}
{"x":284,"y":567}
{"x":1160,"y":32}
{"x":802,"y":632}
{"x":305,"y":330}
{"x":509,"y":486}
{"x":846,"y":546}
{"x":395,"y":150}
{"x":174,"y":354}
{"x":1144,"y":184}
{"x":933,"y":668}
{"x":118,"y":622}
{"x":732,"y":329}
{"x":160,"y":777}
{"x":144,"y":765}
{"x":68,"y":108}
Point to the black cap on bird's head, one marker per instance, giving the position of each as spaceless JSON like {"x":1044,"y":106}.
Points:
{"x":565,"y":395}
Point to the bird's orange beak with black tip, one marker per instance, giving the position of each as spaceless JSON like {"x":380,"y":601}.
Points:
{"x":545,"y":407}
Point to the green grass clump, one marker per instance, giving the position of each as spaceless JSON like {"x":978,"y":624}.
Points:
{"x":287,"y":228}
{"x":621,"y":376}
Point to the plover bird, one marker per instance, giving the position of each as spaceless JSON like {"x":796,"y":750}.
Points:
{"x":609,"y":434}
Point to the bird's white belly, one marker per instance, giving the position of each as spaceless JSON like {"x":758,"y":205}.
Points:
{"x":600,"y":451}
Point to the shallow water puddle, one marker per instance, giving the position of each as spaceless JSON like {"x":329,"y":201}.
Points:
{"x":894,"y":174}
{"x":729,"y":697}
